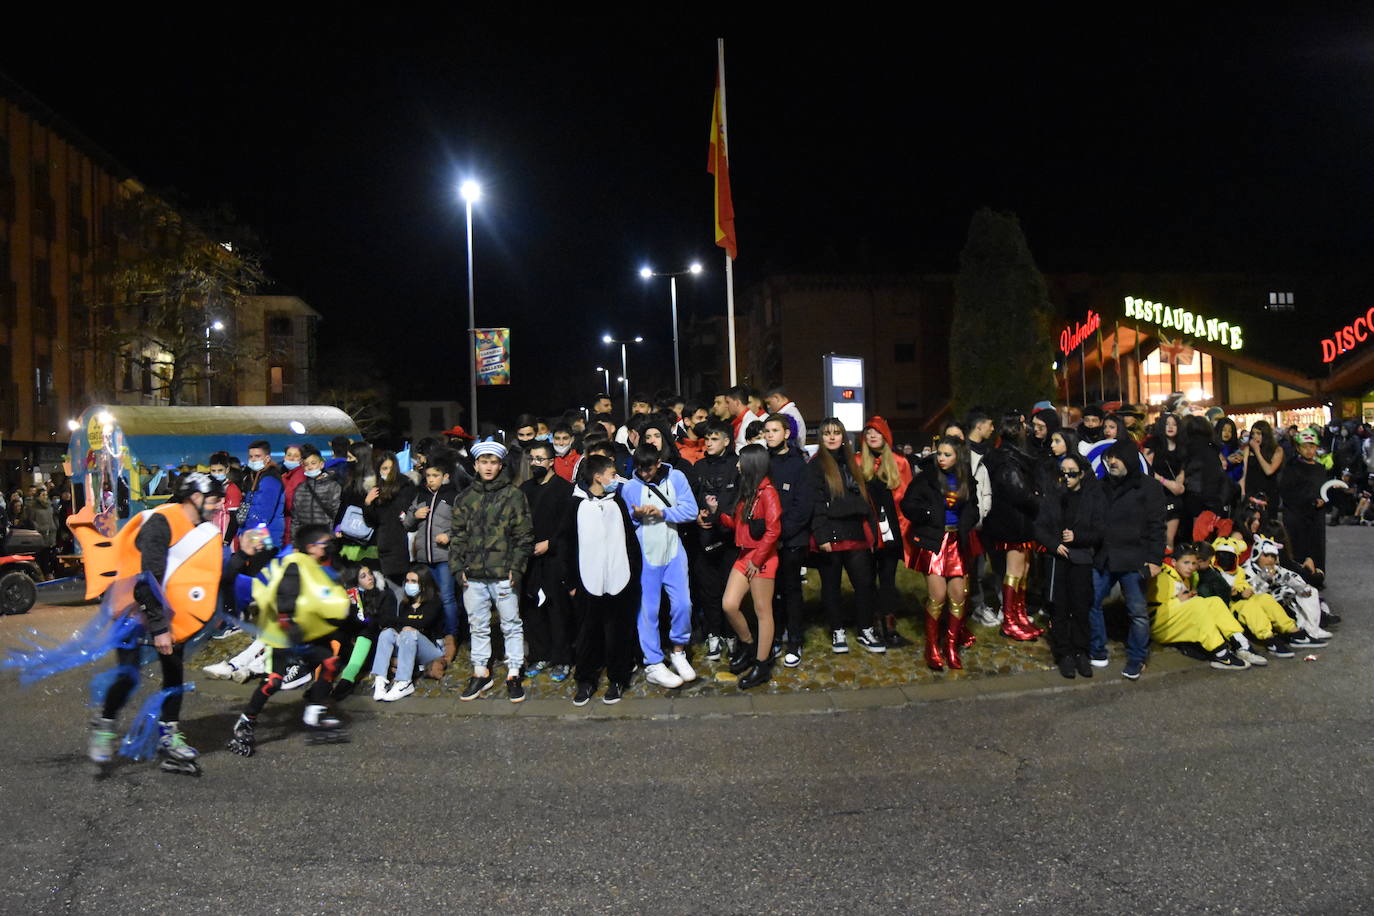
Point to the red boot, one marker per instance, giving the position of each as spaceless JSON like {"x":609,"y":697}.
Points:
{"x":1016,"y":623}
{"x":934,"y":661}
{"x":1010,"y":628}
{"x":953,"y":627}
{"x":966,"y":637}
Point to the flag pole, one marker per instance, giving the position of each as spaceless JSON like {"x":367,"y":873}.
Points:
{"x":729,"y":262}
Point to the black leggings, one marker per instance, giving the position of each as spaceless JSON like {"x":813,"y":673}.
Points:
{"x":312,"y":655}
{"x":885,"y":560}
{"x":1072,"y":600}
{"x":173,"y":675}
{"x":859,"y":565}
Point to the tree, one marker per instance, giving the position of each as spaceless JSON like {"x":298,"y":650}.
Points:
{"x":350,"y":378}
{"x":169,"y":279}
{"x":1002,"y":341}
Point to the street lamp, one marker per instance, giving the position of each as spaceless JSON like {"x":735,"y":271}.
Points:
{"x":648,"y":273}
{"x":471,"y":192}
{"x":624,"y":365}
{"x":209,"y":391}
{"x":607,"y":373}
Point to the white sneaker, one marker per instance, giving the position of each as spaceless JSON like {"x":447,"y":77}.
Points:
{"x":659,"y":674}
{"x":681,"y":667}
{"x":792,"y":659}
{"x":1101,"y":662}
{"x":221,"y":671}
{"x":257,"y":666}
{"x":1254,"y":658}
{"x":986,"y":616}
{"x":379,"y":688}
{"x":399,"y":690}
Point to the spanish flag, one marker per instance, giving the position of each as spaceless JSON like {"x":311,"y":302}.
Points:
{"x":718,"y":164}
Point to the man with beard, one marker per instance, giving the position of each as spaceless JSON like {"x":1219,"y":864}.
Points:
{"x":1132,"y":549}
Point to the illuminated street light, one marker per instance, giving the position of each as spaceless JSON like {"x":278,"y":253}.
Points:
{"x":471,"y":192}
{"x":648,"y":274}
{"x":624,"y":378}
{"x":607,"y":374}
{"x":73,"y":425}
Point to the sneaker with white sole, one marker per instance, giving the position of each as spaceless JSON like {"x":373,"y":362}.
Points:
{"x":658,"y":674}
{"x":839,"y":643}
{"x":1301,"y":640}
{"x":1102,"y":662}
{"x":793,"y":657}
{"x":1229,"y":662}
{"x":869,"y":639}
{"x":478,"y":685}
{"x":1252,"y":658}
{"x":714,"y":647}
{"x":986,"y":616}
{"x":380,"y":686}
{"x":221,"y":671}
{"x":681,"y":667}
{"x":1279,"y":648}
{"x":297,"y":675}
{"x":399,"y":690}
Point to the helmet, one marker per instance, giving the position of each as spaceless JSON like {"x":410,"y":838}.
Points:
{"x":197,"y":482}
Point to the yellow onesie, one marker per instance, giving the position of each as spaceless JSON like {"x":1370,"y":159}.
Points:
{"x":1207,"y":621}
{"x":1261,"y":614}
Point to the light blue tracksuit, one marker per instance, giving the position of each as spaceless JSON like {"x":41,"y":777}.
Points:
{"x":665,"y":559}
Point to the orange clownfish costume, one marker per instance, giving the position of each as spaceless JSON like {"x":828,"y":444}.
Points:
{"x":190,"y":585}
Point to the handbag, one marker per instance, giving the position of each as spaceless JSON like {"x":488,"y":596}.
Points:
{"x":354,"y":526}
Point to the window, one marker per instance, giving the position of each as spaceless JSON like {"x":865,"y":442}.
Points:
{"x":278,"y":382}
{"x":279,"y":326}
{"x":1280,"y":302}
{"x":1192,"y":375}
{"x":904,"y":353}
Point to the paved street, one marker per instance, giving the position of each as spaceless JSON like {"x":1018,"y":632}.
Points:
{"x":1189,"y":791}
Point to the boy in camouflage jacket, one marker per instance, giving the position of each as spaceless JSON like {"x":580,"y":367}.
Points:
{"x":490,"y":544}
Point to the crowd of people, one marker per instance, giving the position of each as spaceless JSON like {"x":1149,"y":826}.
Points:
{"x":585,"y":547}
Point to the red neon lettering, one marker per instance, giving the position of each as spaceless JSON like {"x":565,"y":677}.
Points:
{"x":1359,"y":333}
{"x":1328,"y":350}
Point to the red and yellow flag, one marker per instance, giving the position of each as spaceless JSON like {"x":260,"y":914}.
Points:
{"x":718,"y":164}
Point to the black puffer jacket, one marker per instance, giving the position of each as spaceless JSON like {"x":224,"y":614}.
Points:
{"x":1084,"y":513}
{"x":393,"y":541}
{"x":826,"y":526}
{"x":924,"y":506}
{"x":1134,"y":529}
{"x":1015,"y":500}
{"x":788,"y":473}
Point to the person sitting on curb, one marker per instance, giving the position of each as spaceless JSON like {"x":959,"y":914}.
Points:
{"x":414,"y":634}
{"x":1262,"y":616}
{"x":1180,"y":615}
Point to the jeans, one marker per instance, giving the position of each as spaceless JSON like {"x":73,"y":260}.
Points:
{"x":478,"y":598}
{"x":443,"y":578}
{"x":408,"y":645}
{"x":1133,"y":590}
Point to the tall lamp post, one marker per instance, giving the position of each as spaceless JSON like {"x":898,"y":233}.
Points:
{"x":471,"y":192}
{"x":209,"y":389}
{"x":624,"y":365}
{"x":607,"y":375}
{"x":649,"y":273}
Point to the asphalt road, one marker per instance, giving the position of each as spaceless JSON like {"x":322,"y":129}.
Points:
{"x":1200,"y":791}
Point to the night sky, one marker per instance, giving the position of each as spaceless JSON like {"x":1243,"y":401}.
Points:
{"x":1151,"y":143}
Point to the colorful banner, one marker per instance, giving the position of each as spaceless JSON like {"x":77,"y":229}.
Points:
{"x":493,"y":356}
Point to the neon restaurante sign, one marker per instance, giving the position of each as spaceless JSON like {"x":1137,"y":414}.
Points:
{"x":1071,"y":338}
{"x":1348,"y":337}
{"x":1186,"y":322}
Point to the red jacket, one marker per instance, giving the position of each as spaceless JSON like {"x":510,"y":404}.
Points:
{"x":563,"y":465}
{"x":766,"y":507}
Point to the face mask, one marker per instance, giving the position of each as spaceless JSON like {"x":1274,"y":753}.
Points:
{"x":412,"y":589}
{"x":220,"y":477}
{"x":290,"y":465}
{"x":561,"y":450}
{"x":314,"y":473}
{"x":613,"y":486}
{"x":538,"y":472}
{"x":256,"y":465}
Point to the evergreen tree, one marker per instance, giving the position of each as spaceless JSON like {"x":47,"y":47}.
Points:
{"x":1002,"y":341}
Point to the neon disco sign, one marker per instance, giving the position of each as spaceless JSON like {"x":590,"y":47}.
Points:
{"x":1071,"y":338}
{"x":1348,"y":337}
{"x":1187,"y":322}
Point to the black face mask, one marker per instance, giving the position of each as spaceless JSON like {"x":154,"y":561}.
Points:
{"x":538,"y":471}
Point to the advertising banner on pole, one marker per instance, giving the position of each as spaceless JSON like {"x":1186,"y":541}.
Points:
{"x":493,"y":356}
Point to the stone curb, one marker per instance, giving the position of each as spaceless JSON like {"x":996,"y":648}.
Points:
{"x":1163,"y":663}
